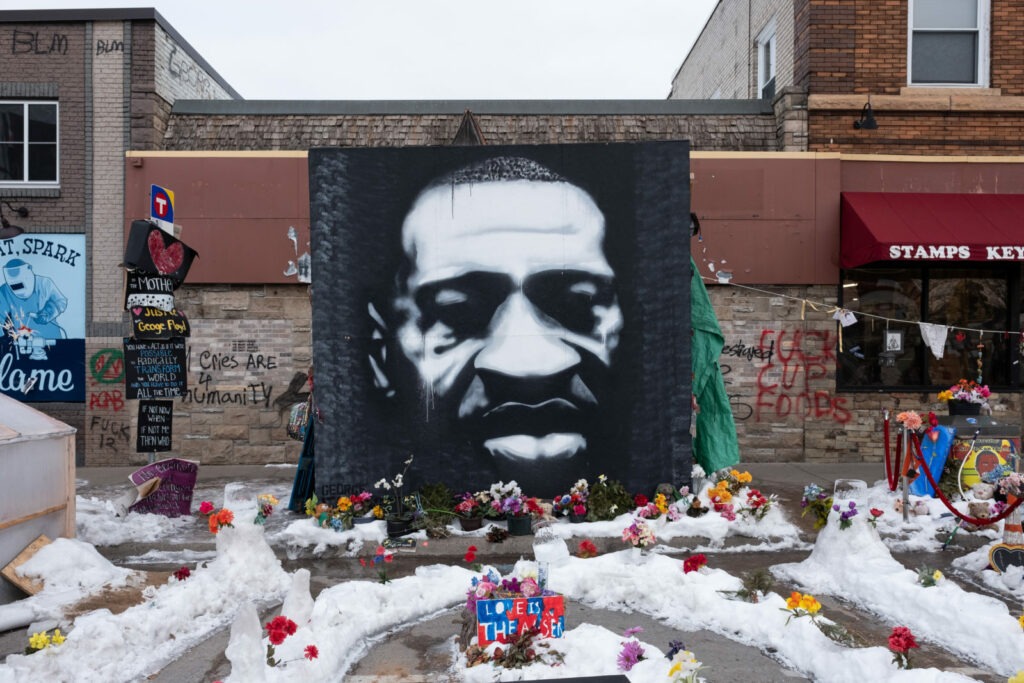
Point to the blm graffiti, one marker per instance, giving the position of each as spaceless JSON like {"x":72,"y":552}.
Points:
{"x":502,"y":313}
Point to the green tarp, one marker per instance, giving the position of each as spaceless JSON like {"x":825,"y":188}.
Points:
{"x":715,"y":445}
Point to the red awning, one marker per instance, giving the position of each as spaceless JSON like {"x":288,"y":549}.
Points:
{"x":899,"y":226}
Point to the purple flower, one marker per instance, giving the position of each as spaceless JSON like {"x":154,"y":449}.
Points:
{"x":631,"y":653}
{"x":630,"y":632}
{"x":836,"y":507}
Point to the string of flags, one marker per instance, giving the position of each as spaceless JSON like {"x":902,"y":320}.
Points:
{"x":933,"y":334}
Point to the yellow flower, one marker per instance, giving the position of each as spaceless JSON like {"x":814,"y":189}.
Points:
{"x":1020,"y":620}
{"x":344,"y":503}
{"x":742,"y":477}
{"x":675,"y":669}
{"x":946,"y":395}
{"x":39,"y":641}
{"x":809,"y":604}
{"x":661,"y":502}
{"x":1016,"y":678}
{"x":937,"y":576}
{"x":378,"y":512}
{"x":58,"y":639}
{"x":794,"y":600}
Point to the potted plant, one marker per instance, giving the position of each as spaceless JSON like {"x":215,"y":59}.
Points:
{"x":966,"y":397}
{"x":362,"y":508}
{"x":573,"y":504}
{"x":471,"y":509}
{"x":399,"y":520}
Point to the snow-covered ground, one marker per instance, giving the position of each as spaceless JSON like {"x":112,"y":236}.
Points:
{"x":227,"y":587}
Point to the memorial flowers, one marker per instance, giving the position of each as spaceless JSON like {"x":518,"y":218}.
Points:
{"x":966,"y":391}
{"x":845,"y":516}
{"x":928,"y":577}
{"x":817,"y":501}
{"x":42,"y":640}
{"x":588,"y":549}
{"x":801,"y":605}
{"x":875,"y":514}
{"x":684,"y":667}
{"x":757,"y":504}
{"x":631,"y":650}
{"x":265,"y":503}
{"x":695,"y":563}
{"x":901,"y":642}
{"x":639,"y":534}
{"x":220,"y":519}
{"x":380,"y":558}
{"x":396,"y":485}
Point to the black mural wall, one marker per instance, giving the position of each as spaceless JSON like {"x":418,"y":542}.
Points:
{"x":502,"y":313}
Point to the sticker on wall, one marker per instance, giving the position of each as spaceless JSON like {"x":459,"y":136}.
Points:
{"x":42,"y":317}
{"x":154,"y":323}
{"x":141,"y":289}
{"x":154,"y":252}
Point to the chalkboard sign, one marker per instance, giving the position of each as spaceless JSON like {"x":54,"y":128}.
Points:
{"x":155,"y":323}
{"x":141,"y":289}
{"x":154,"y":431}
{"x":154,"y":369}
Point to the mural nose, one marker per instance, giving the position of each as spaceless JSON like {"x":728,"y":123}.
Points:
{"x":521,"y":344}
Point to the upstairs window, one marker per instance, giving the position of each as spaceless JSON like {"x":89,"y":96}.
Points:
{"x":28,"y":143}
{"x":766,"y":63}
{"x":949,"y":42}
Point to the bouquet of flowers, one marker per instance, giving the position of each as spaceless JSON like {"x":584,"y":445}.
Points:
{"x":1006,"y":481}
{"x":966,"y":391}
{"x":639,"y":534}
{"x":817,"y":501}
{"x":574,"y":502}
{"x":491,"y":585}
{"x":469,"y":506}
{"x":520,"y":506}
{"x":362,"y":503}
{"x":758,"y":504}
{"x":734,"y":480}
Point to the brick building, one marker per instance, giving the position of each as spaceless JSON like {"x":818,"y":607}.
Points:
{"x":769,"y":196}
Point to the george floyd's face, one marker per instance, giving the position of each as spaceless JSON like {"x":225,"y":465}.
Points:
{"x":509,"y":313}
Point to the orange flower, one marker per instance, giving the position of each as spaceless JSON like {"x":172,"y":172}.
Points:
{"x":213,"y":524}
{"x":225,"y":517}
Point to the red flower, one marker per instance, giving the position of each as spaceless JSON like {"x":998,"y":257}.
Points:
{"x":640,"y":500}
{"x":276,"y":636}
{"x":362,"y":561}
{"x":182,"y":573}
{"x":470,"y":555}
{"x":311,"y":652}
{"x":587,"y":549}
{"x":694,"y":563}
{"x":875,"y":512}
{"x":901,"y":640}
{"x":206,"y":507}
{"x":279,"y":628}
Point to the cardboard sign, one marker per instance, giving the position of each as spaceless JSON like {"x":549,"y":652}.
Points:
{"x":988,"y":453}
{"x":154,"y":323}
{"x":502,"y":619}
{"x":141,"y":289}
{"x":155,"y":369}
{"x":153,"y":251}
{"x":173,"y":496}
{"x":153,"y":434}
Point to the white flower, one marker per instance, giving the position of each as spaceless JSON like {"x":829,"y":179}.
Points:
{"x":698,"y":472}
{"x":398,"y":481}
{"x":409,"y":461}
{"x":382,"y":484}
{"x":602,"y":479}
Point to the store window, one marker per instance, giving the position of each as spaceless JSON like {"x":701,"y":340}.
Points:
{"x":948,"y":42}
{"x":28,"y":143}
{"x":977,"y":305}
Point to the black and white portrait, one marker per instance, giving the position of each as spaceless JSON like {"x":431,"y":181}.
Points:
{"x":502,"y":313}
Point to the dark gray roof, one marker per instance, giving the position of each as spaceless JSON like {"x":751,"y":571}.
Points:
{"x":498,"y":107}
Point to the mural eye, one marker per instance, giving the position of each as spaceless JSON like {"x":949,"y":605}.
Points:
{"x":464,"y":305}
{"x":570,"y":297}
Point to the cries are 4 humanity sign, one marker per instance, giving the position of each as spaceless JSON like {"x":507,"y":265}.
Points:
{"x":42,"y":317}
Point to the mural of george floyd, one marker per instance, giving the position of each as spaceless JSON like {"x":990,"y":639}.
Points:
{"x":506,"y":312}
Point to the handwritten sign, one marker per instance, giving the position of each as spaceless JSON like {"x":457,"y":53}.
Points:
{"x":503,"y":619}
{"x":155,"y":369}
{"x":173,"y":496}
{"x":154,"y":323}
{"x":148,"y":290}
{"x":153,"y":434}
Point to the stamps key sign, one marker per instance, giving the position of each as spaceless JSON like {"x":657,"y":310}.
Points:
{"x":155,"y":324}
{"x":155,"y":369}
{"x":153,"y":251}
{"x":154,"y":431}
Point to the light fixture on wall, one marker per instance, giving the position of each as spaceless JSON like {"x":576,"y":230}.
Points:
{"x":7,"y":231}
{"x":867,"y":119}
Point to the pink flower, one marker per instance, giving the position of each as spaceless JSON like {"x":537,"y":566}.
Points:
{"x":529,"y":588}
{"x":901,"y":640}
{"x":311,"y":652}
{"x":206,"y":507}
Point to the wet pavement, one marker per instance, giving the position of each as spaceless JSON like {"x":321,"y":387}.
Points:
{"x":424,"y":651}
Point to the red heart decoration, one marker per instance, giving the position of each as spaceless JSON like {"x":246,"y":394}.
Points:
{"x":137,"y":311}
{"x":166,"y":259}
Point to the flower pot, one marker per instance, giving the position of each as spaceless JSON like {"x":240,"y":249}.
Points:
{"x":963,"y":408}
{"x":471,"y":523}
{"x":637,"y":555}
{"x":520,"y":526}
{"x":577,"y":519}
{"x":365,"y":520}
{"x":399,"y":526}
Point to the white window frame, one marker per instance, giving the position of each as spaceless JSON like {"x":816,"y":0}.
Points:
{"x":981,"y":79}
{"x":765,"y":40}
{"x":25,"y":183}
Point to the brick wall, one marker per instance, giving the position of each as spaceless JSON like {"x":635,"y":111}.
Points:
{"x":717,"y":64}
{"x":178,"y":76}
{"x":779,"y":368}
